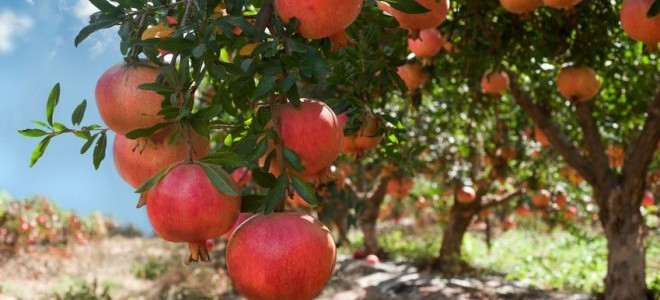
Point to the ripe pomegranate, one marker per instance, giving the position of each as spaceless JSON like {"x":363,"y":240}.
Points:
{"x":484,"y":213}
{"x":138,"y":160}
{"x":540,"y":137}
{"x":365,"y":138}
{"x":520,"y":6}
{"x":541,"y":198}
{"x":561,"y":4}
{"x":637,"y":25}
{"x":648,"y":199}
{"x":569,"y":213}
{"x":561,"y":199}
{"x":578,"y":83}
{"x":416,"y":22}
{"x":413,"y":75}
{"x":359,"y":254}
{"x":242,"y":217}
{"x":615,"y":155}
{"x":494,"y":83}
{"x":121,"y":104}
{"x":242,"y":176}
{"x":313,"y":132}
{"x":523,"y":210}
{"x":320,"y":18}
{"x":428,"y":44}
{"x":465,"y":194}
{"x":186,"y":207}
{"x":508,"y":224}
{"x":399,"y":188}
{"x":286,"y":255}
{"x":372,"y":260}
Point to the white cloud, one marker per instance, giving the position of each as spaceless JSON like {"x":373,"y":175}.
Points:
{"x":12,"y":26}
{"x":30,"y":1}
{"x":83,"y":9}
{"x":59,"y":41}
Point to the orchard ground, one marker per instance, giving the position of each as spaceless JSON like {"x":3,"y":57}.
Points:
{"x":532,"y":263}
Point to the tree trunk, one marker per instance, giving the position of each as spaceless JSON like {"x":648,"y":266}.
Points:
{"x":369,"y":217}
{"x":460,"y":216}
{"x":626,"y":264}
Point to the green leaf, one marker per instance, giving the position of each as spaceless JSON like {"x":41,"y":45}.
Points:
{"x":252,"y":203}
{"x":293,"y":160}
{"x":304,"y":189}
{"x":407,"y":6}
{"x":259,"y":150}
{"x":99,"y":150}
{"x":88,"y":144}
{"x":156,"y":87}
{"x":227,"y":159}
{"x":143,"y":132}
{"x":79,"y":113}
{"x":39,"y":150}
{"x":32,"y":132}
{"x":151,"y":182}
{"x":177,"y":44}
{"x":276,"y":194}
{"x":53,"y":99}
{"x":106,"y":7}
{"x":220,"y":179}
{"x":42,"y":124}
{"x":262,"y":178}
{"x":59,"y":127}
{"x":98,"y":24}
{"x":265,"y":85}
{"x":654,"y":9}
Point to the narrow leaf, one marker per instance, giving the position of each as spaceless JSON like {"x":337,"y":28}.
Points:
{"x":227,"y":159}
{"x":88,"y":144}
{"x":53,"y":99}
{"x":138,"y":133}
{"x":276,"y":194}
{"x":293,"y":160}
{"x":99,"y":150}
{"x":304,"y":189}
{"x":156,"y":87}
{"x":105,"y":6}
{"x":220,"y":179}
{"x":654,"y":9}
{"x":98,"y":24}
{"x":143,"y":200}
{"x":265,"y":85}
{"x":39,"y":150}
{"x":32,"y":132}
{"x":252,"y":203}
{"x":151,"y":182}
{"x":407,"y":6}
{"x":262,"y":178}
{"x":79,"y":113}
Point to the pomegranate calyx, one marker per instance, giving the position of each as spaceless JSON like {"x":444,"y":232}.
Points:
{"x":340,"y":40}
{"x":197,"y":251}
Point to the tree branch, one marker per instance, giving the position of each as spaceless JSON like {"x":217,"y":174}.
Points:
{"x":638,"y":159}
{"x":552,"y":130}
{"x":593,"y":139}
{"x":495,"y":201}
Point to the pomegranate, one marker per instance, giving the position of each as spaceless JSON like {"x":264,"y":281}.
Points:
{"x":541,"y":198}
{"x":416,"y":22}
{"x":508,"y":224}
{"x":465,"y":194}
{"x":399,"y":188}
{"x":569,"y":213}
{"x":313,"y":132}
{"x":242,"y":176}
{"x":321,"y":18}
{"x":520,"y":6}
{"x":365,"y":138}
{"x":428,"y":44}
{"x":615,"y":155}
{"x":540,"y":137}
{"x":242,"y":217}
{"x":484,"y":213}
{"x":138,"y":160}
{"x":186,"y":207}
{"x":578,"y":83}
{"x":372,"y":260}
{"x":561,"y":4}
{"x":637,"y":25}
{"x":523,"y":210}
{"x":561,"y":199}
{"x":121,"y":104}
{"x":286,"y":255}
{"x":648,"y":199}
{"x":413,"y":75}
{"x":494,"y":83}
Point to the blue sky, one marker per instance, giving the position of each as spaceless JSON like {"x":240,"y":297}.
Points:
{"x":37,"y":51}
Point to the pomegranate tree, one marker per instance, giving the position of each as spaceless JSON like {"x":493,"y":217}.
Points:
{"x":520,"y":6}
{"x":428,"y":44}
{"x":185,"y":206}
{"x":416,"y":22}
{"x":122,"y":105}
{"x":578,"y":83}
{"x":138,"y":160}
{"x":637,"y":24}
{"x":494,"y":83}
{"x":320,"y":18}
{"x":286,"y":255}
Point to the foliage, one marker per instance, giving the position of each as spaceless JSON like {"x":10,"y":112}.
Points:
{"x":149,"y":268}
{"x":85,"y":291}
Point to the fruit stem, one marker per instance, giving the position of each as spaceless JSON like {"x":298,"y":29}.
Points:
{"x":279,"y":147}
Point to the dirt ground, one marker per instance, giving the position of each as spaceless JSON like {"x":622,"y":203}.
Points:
{"x":139,"y":268}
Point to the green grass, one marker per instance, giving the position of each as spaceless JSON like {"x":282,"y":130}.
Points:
{"x":556,"y":259}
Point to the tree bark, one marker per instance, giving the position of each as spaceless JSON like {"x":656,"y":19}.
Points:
{"x":460,"y":216}
{"x":369,"y":217}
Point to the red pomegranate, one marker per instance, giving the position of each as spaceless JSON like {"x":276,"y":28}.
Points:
{"x":541,"y":198}
{"x":372,"y":260}
{"x":540,"y":136}
{"x":561,"y":4}
{"x":648,"y":199}
{"x":139,"y":160}
{"x":365,"y":138}
{"x":569,"y":213}
{"x":465,"y":194}
{"x":286,"y":255}
{"x":494,"y":83}
{"x":413,"y":75}
{"x":428,"y":44}
{"x":399,"y":188}
{"x":313,"y":132}
{"x":242,"y":217}
{"x":186,"y":207}
{"x":523,"y":210}
{"x":637,"y":25}
{"x":242,"y":176}
{"x":416,"y":22}
{"x":122,"y":105}
{"x":520,"y":6}
{"x":578,"y":83}
{"x":561,"y":199}
{"x":508,"y":223}
{"x":320,"y":18}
